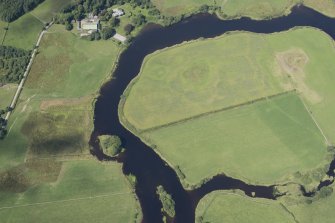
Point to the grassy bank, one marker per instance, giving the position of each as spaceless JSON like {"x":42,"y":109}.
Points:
{"x":212,"y":105}
{"x":47,"y":173}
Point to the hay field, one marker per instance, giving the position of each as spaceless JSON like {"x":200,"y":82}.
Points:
{"x":46,"y":171}
{"x":237,"y":208}
{"x":188,"y":104}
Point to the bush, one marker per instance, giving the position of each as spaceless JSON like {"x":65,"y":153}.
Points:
{"x":110,"y":145}
{"x":128,"y":28}
{"x":107,"y":33}
{"x":167,"y":201}
{"x":68,"y":26}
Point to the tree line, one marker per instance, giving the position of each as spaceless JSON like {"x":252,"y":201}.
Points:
{"x":13,"y":62}
{"x":13,"y":9}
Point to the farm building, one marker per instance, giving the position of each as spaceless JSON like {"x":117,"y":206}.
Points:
{"x":118,"y":12}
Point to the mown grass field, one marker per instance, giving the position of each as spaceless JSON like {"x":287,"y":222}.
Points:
{"x":237,"y":68}
{"x":277,"y":134}
{"x":236,"y":208}
{"x":46,"y":171}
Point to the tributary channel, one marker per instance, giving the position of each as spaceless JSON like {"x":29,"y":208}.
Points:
{"x":139,"y":159}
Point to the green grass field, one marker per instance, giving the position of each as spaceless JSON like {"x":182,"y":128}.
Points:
{"x":23,"y":32}
{"x":49,"y":8}
{"x":236,"y":208}
{"x":177,"y":110}
{"x":46,"y":171}
{"x":273,"y":132}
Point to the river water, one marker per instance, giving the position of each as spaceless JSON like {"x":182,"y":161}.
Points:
{"x":139,"y":159}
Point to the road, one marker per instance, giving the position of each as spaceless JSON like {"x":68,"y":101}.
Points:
{"x":25,"y":75}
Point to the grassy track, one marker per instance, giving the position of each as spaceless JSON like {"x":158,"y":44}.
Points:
{"x":236,"y":208}
{"x":46,"y":150}
{"x":214,"y":74}
{"x":236,"y":141}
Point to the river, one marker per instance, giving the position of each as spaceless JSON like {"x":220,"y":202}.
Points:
{"x":139,"y":159}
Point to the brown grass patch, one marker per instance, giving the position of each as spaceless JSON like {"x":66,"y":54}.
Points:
{"x":63,"y":102}
{"x":292,"y":63}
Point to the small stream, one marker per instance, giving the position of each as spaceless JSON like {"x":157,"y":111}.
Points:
{"x":139,"y":159}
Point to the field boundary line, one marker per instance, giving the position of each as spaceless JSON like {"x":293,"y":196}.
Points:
{"x":314,"y":120}
{"x":63,"y":201}
{"x":5,"y":34}
{"x":216,"y":111}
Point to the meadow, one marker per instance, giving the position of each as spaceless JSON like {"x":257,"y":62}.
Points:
{"x":46,"y":171}
{"x":212,"y":106}
{"x":237,"y":208}
{"x":6,"y":94}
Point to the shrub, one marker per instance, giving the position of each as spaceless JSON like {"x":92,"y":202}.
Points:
{"x":110,"y":145}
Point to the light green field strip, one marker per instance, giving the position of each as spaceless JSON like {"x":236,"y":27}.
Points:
{"x":278,"y":134}
{"x":85,"y":191}
{"x":218,"y":207}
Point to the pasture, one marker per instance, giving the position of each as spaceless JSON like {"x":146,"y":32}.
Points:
{"x":196,"y":105}
{"x":46,"y":171}
{"x":237,"y":208}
